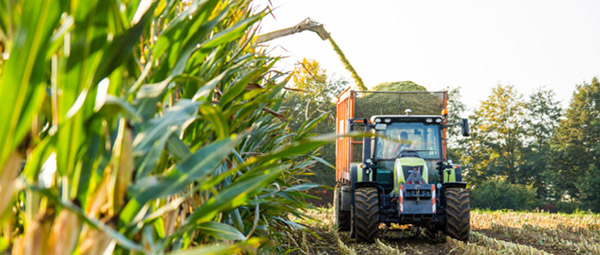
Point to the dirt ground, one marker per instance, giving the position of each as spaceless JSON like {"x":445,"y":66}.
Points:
{"x":491,"y":233}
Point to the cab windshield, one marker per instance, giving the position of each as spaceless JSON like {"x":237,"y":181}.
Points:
{"x":419,"y":137}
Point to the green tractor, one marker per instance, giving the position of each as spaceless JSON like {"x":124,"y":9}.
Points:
{"x":403,"y":175}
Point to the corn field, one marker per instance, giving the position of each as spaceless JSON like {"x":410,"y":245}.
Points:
{"x":144,"y":127}
{"x":154,"y":127}
{"x":492,"y":232}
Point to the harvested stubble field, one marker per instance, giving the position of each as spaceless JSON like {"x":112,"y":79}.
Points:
{"x":492,"y":232}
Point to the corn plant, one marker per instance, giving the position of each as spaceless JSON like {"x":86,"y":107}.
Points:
{"x":143,"y":127}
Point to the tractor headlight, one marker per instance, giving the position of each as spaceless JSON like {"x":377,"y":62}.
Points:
{"x":438,"y":120}
{"x":387,"y":120}
{"x":378,"y":120}
{"x":429,"y":120}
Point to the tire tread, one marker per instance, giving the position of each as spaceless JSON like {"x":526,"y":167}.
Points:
{"x":458,"y":213}
{"x":366,"y":214}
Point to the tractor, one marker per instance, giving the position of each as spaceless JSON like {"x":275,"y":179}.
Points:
{"x":397,"y":171}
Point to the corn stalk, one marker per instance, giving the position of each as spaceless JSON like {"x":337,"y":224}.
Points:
{"x":143,"y":127}
{"x":460,"y":247}
{"x":505,"y":247}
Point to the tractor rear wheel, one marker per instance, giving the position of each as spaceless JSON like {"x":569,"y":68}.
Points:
{"x":457,"y":213}
{"x":341,"y":218}
{"x":366,"y":214}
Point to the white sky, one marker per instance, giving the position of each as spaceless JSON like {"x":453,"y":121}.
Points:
{"x":473,"y":44}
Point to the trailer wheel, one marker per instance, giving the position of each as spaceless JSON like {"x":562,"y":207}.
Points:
{"x":457,"y":213}
{"x":341,"y":218}
{"x":366,"y":214}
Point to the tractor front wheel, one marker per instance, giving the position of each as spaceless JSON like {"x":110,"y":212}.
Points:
{"x":341,"y":218}
{"x":457,"y":213}
{"x":366,"y":214}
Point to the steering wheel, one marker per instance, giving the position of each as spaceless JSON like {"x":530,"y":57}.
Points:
{"x":399,"y":152}
{"x":402,"y":149}
{"x":409,"y":150}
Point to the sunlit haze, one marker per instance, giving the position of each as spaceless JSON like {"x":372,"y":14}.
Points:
{"x":439,"y":44}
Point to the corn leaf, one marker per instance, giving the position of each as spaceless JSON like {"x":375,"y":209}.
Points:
{"x":232,"y":196}
{"x":24,"y":67}
{"x":218,"y":249}
{"x":197,"y":166}
{"x":220,"y":231}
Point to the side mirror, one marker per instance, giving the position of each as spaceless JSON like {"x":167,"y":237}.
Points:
{"x":465,"y":127}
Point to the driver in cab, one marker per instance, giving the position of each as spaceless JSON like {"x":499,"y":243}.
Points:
{"x":404,"y":144}
{"x":391,"y":148}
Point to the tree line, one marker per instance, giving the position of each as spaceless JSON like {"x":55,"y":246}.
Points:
{"x":528,"y":152}
{"x":524,"y":152}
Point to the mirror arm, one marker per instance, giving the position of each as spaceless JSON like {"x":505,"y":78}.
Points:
{"x":450,"y":125}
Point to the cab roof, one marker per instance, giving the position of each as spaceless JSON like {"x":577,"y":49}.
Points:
{"x":408,"y":118}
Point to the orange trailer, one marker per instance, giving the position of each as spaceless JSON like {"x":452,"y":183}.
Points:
{"x":435,"y":104}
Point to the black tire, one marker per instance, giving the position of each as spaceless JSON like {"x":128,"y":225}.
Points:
{"x":457,"y":213}
{"x":366,"y":214}
{"x":341,"y":219}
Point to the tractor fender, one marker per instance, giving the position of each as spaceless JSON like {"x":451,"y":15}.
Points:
{"x":359,"y":179}
{"x":359,"y":174}
{"x":454,"y":185}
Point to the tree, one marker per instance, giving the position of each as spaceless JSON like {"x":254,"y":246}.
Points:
{"x":316,"y":90}
{"x":456,"y":109}
{"x":542,"y":117}
{"x":308,"y":75}
{"x":588,"y":186}
{"x":497,"y":138}
{"x":316,"y":98}
{"x":543,"y":112}
{"x":500,"y":194}
{"x":577,"y":143}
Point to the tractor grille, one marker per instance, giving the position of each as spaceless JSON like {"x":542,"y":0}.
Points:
{"x":407,"y":171}
{"x":416,"y":193}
